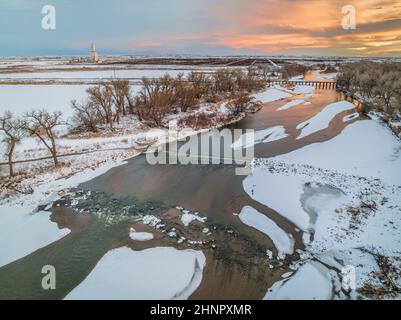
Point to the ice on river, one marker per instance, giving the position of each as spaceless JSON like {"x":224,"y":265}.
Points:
{"x":156,"y":273}
{"x":282,"y":240}
{"x":311,"y":281}
{"x":291,"y":104}
{"x":322,"y":119}
{"x":271,"y":95}
{"x":261,"y":136}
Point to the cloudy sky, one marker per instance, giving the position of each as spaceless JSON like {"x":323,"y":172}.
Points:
{"x":212,"y":27}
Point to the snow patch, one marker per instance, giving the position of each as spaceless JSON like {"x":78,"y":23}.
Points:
{"x":156,"y":273}
{"x":187,"y":218}
{"x":350,"y":117}
{"x":261,"y":136}
{"x":290,"y":104}
{"x":141,"y":236}
{"x":311,"y":281}
{"x":271,"y":95}
{"x":283,"y":242}
{"x":322,"y":119}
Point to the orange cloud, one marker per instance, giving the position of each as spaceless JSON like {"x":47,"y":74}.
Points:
{"x":291,"y":25}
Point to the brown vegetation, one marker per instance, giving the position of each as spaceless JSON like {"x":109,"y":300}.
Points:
{"x":160,"y":97}
{"x":13,"y":131}
{"x":42,"y":124}
{"x":376,"y":82}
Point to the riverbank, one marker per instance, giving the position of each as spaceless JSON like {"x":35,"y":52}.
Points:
{"x":344,"y":195}
{"x":80,"y":153}
{"x":317,"y":195}
{"x":22,"y":223}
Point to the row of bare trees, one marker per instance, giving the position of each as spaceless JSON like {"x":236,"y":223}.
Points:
{"x":40,"y":124}
{"x":377,"y":82}
{"x":108,"y":101}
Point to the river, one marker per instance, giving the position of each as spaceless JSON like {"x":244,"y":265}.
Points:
{"x":236,"y":263}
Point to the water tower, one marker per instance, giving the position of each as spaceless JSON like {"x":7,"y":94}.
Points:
{"x":94,"y":56}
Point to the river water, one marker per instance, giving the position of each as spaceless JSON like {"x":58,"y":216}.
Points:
{"x":236,"y":266}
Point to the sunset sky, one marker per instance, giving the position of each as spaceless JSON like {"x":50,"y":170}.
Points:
{"x":204,"y":27}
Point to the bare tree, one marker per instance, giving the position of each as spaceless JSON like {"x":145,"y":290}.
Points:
{"x":199,"y":82}
{"x":135,"y":106}
{"x":42,"y":124}
{"x":120,"y":91}
{"x":86,"y":116}
{"x":367,"y":83}
{"x":185,"y":95}
{"x":156,"y":99}
{"x":13,"y":131}
{"x":224,"y":81}
{"x":385,"y":89}
{"x":239,"y":103}
{"x":101,"y":97}
{"x":159,"y":106}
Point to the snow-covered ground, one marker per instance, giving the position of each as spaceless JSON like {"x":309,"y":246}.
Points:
{"x":22,"y":232}
{"x":347,"y":193}
{"x":310,"y":282}
{"x":366,"y":148}
{"x":23,"y":98}
{"x":322,"y":119}
{"x":282,"y":240}
{"x":91,"y":157}
{"x":187,"y":218}
{"x":156,"y":273}
{"x":342,"y":194}
{"x":94,"y":74}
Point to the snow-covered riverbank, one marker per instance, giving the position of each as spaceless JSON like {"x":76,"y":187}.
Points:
{"x":345,"y":196}
{"x":22,"y":230}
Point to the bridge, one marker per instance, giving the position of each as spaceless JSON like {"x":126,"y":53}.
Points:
{"x":317,"y":84}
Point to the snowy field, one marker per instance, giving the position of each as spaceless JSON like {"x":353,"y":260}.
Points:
{"x":95,"y":74}
{"x":347,"y":193}
{"x":22,"y":98}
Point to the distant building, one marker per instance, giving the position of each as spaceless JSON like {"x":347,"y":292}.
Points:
{"x":94,"y":56}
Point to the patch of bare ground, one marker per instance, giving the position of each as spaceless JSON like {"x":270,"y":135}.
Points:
{"x":387,"y":284}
